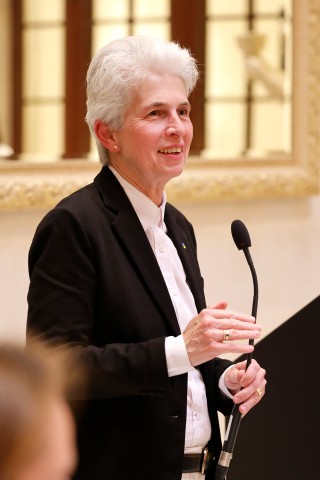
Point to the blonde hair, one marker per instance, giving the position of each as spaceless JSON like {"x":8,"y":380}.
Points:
{"x":29,"y":381}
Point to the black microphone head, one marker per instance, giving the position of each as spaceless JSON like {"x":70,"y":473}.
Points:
{"x":240,"y":235}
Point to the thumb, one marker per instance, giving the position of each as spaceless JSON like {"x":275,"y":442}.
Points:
{"x":222,"y":305}
{"x":233,"y":378}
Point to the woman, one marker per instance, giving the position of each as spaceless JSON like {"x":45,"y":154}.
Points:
{"x":114,"y":272}
{"x":37,"y":434}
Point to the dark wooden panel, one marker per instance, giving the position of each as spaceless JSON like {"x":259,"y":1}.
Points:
{"x":78,"y":55}
{"x":188,"y":29}
{"x":16,"y":75}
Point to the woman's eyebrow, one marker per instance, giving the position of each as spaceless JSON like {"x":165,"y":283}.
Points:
{"x":164,"y":104}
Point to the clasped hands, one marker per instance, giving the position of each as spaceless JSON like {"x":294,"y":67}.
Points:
{"x":205,"y":339}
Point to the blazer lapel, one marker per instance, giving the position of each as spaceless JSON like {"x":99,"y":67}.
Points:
{"x":187,"y":254}
{"x":134,"y":241}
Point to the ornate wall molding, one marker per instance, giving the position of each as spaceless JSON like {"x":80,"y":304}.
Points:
{"x":41,"y":186}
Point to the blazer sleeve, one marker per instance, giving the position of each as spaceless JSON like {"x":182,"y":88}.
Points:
{"x":63,"y":305}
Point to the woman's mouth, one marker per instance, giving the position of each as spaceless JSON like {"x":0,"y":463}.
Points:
{"x":170,"y":150}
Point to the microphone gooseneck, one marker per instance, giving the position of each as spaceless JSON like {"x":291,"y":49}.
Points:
{"x":242,"y":240}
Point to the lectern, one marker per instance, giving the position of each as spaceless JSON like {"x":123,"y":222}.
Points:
{"x":280,"y":438}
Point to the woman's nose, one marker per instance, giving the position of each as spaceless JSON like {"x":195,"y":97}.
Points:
{"x":172,"y":130}
{"x":175,"y":126}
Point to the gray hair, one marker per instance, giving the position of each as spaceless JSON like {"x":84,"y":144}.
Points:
{"x":120,"y":66}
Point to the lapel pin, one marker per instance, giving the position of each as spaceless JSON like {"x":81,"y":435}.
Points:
{"x":183,"y":245}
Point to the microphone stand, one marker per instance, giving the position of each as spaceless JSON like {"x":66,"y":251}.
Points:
{"x":235,"y":417}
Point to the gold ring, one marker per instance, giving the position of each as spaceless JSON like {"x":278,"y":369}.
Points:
{"x":259,"y":392}
{"x":226,"y":335}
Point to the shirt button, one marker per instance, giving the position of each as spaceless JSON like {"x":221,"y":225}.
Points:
{"x":161,"y":248}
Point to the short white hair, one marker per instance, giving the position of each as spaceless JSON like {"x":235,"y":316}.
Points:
{"x":120,"y":66}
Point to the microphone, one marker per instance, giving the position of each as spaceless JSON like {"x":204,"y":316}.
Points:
{"x":240,"y":235}
{"x":242,"y":240}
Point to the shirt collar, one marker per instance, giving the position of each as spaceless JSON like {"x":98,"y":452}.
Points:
{"x":147,"y":211}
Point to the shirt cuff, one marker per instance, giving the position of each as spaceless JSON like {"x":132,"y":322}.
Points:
{"x":178,"y":361}
{"x":177,"y":357}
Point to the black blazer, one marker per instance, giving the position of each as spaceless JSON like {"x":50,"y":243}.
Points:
{"x":95,"y":283}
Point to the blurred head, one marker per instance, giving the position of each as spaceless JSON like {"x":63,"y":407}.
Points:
{"x":119,"y":69}
{"x":37,"y":433}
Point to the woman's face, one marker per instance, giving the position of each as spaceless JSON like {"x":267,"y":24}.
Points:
{"x":154,"y":141}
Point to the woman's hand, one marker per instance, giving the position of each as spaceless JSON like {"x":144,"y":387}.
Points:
{"x":216,"y":331}
{"x":247,"y":386}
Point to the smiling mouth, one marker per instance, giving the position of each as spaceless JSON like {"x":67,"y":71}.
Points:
{"x":170,"y":150}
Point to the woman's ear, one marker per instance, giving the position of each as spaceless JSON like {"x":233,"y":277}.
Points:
{"x":105,"y":135}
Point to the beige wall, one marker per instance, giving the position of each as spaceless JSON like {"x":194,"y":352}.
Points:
{"x":285,"y":238}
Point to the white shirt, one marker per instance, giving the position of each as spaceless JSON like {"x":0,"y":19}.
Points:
{"x":198,"y":426}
